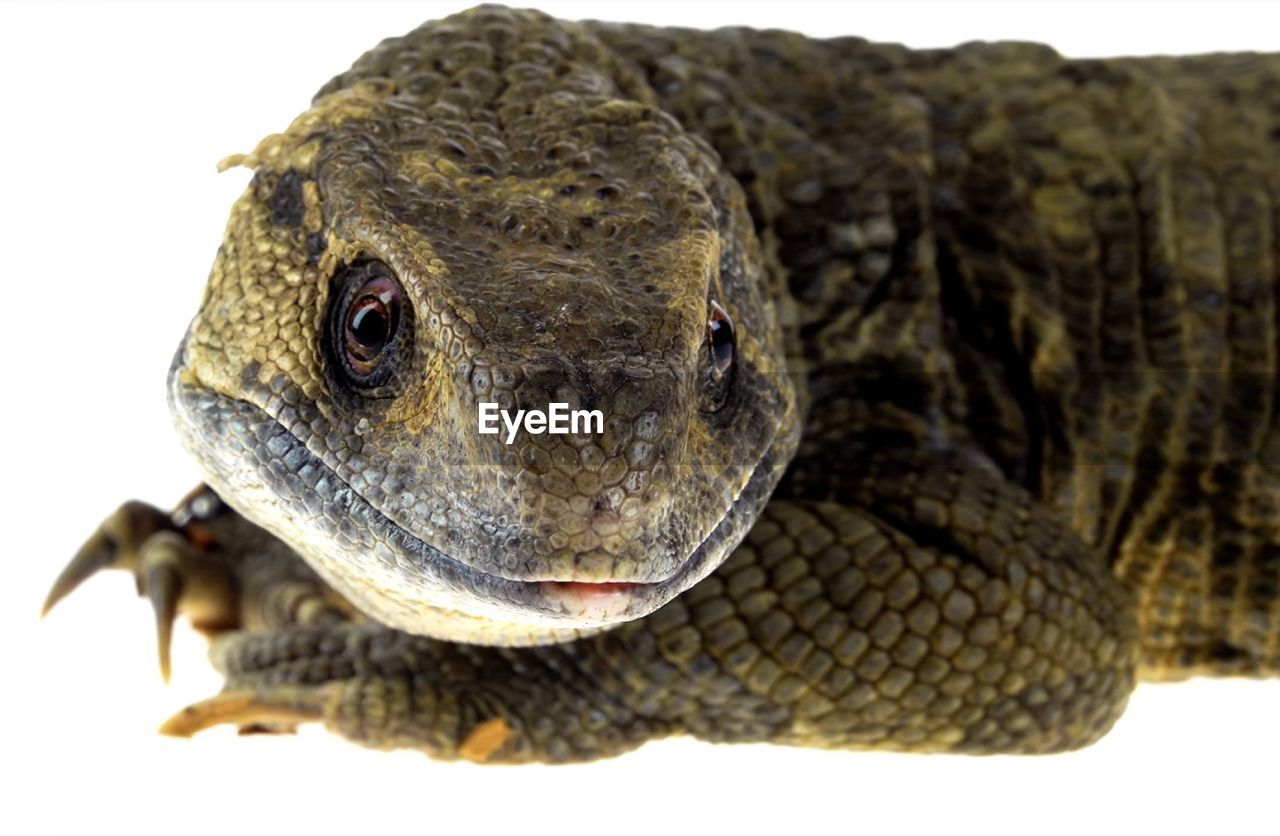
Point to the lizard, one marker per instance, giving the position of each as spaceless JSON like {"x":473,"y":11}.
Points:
{"x":937,"y":392}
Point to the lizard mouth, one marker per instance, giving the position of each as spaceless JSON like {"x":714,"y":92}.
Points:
{"x":593,"y":587}
{"x":593,"y":599}
{"x":388,"y":572}
{"x":574,"y":604}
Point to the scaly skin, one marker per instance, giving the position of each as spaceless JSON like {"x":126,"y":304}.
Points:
{"x":997,"y":431}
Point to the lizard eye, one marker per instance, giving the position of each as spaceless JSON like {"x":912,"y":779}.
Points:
{"x":371,"y":323}
{"x":719,"y":341}
{"x":717,"y":375}
{"x":366,"y":323}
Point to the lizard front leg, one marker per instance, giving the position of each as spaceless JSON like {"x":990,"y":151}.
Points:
{"x":943,"y":611}
{"x":388,"y":689}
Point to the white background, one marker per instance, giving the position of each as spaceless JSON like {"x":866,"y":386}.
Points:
{"x":110,"y":212}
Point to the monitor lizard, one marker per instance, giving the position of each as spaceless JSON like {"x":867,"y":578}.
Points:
{"x":937,"y":392}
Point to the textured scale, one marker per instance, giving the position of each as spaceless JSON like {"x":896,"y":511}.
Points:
{"x":1000,"y":436}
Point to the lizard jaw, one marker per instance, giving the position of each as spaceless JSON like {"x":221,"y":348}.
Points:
{"x":393,"y":576}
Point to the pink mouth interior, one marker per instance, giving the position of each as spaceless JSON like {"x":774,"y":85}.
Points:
{"x":593,"y":589}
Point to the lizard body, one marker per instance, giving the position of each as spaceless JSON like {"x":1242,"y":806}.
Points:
{"x":937,"y":392}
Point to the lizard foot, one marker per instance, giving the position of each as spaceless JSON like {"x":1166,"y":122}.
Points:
{"x":276,"y":710}
{"x":280,"y":709}
{"x":171,"y":565}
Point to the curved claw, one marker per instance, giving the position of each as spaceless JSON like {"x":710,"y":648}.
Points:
{"x":285,"y":705}
{"x":98,"y":552}
{"x":164,"y":588}
{"x":114,"y":545}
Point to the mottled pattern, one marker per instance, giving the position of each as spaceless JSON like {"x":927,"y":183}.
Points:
{"x":560,"y":242}
{"x":999,"y":434}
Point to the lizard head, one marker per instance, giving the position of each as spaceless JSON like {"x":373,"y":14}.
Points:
{"x":403,"y":258}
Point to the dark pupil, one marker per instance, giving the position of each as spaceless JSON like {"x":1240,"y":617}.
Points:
{"x":721,"y":343}
{"x":369,"y":326}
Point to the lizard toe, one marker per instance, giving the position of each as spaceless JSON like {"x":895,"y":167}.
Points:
{"x":170,"y":566}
